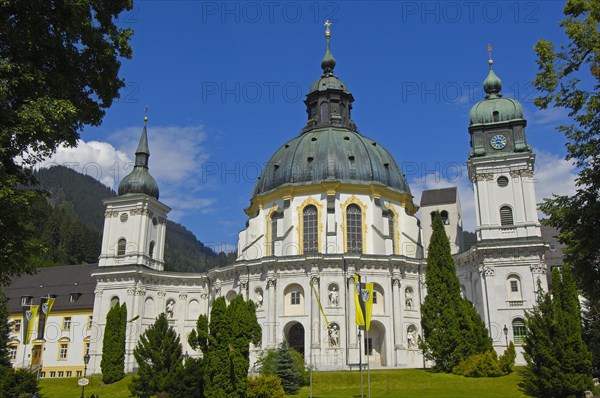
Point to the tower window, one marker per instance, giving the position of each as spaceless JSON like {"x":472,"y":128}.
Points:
{"x":506,"y":216}
{"x":496,"y":116}
{"x":444,"y":216}
{"x":354,"y":229}
{"x":310,"y":230}
{"x":502,"y":181}
{"x":121,"y":247}
{"x":151,"y":249}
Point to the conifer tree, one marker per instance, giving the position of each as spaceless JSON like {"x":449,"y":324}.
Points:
{"x":559,"y":364}
{"x":160,"y":360}
{"x":452,"y":328}
{"x":591,"y":331}
{"x":112,"y":364}
{"x":225,"y":345}
{"x":4,"y":333}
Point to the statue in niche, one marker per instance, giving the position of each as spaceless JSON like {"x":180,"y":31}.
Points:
{"x":259,"y":299}
{"x":408,"y":299}
{"x":334,"y":297}
{"x":170,"y":309}
{"x":411,"y":336}
{"x":334,"y":337}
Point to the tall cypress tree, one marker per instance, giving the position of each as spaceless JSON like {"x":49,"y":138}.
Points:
{"x":452,"y":328}
{"x":113,"y":346}
{"x":558,"y":362}
{"x":225,"y":344}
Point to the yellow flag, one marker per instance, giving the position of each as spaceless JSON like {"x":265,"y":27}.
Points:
{"x":367,"y":295}
{"x":30,"y":315}
{"x":358,"y":303}
{"x":320,"y":306}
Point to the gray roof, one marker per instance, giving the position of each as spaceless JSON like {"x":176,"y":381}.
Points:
{"x":439,"y":196}
{"x":554,"y":256}
{"x":60,"y":281}
{"x":331,"y":154}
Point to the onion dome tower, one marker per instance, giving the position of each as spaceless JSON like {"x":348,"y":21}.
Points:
{"x":327,"y":171}
{"x":140,"y":180}
{"x":135,"y":221}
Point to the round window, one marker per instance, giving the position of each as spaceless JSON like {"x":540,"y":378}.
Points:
{"x":124,"y":217}
{"x":502,"y":181}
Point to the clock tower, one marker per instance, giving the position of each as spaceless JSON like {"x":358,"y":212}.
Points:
{"x":501,"y":273}
{"x":501,"y":167}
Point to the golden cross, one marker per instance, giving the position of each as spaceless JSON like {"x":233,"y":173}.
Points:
{"x":327,"y":25}
{"x":489,"y":50}
{"x":146,"y":109}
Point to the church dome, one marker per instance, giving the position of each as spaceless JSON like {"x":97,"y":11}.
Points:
{"x":140,"y":180}
{"x":494,"y":108}
{"x":331,"y":154}
{"x":330,"y":148}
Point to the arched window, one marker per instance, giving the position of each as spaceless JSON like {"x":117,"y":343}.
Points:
{"x":519,"y":330}
{"x":151,"y":249}
{"x":514,"y":288}
{"x":273,"y":221}
{"x":121,"y":247}
{"x":432,"y":216}
{"x":354,"y":228}
{"x":391,"y":222}
{"x":310,"y":230}
{"x":114,"y":301}
{"x":444,"y":216}
{"x":496,"y":116}
{"x":506,"y":216}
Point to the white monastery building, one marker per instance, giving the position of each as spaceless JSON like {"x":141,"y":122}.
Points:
{"x":331,"y":203}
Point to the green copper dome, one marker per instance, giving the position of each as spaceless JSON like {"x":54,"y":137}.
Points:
{"x":140,"y":180}
{"x":329,"y":147}
{"x":494,"y":108}
{"x":331,"y":154}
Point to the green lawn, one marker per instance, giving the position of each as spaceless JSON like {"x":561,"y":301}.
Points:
{"x":413,"y":383}
{"x":406,"y":383}
{"x":68,"y":388}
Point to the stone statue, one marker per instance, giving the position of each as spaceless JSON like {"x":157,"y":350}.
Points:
{"x":259,"y":300}
{"x":408,"y":299}
{"x":411,"y":337}
{"x":333,"y":297}
{"x":334,"y":338}
{"x":170,"y":309}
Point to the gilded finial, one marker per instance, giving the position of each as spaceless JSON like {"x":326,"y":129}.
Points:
{"x":146,"y":109}
{"x":489,"y":50}
{"x":327,"y":31}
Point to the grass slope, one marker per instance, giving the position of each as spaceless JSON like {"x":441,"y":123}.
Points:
{"x":67,"y":387}
{"x":413,"y":383}
{"x":405,"y":383}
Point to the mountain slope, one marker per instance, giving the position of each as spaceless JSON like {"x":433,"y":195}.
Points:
{"x":75,"y":202}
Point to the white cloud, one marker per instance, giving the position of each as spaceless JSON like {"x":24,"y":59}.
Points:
{"x":99,"y":160}
{"x":553,"y":175}
{"x":176,"y":157}
{"x":543,"y":117}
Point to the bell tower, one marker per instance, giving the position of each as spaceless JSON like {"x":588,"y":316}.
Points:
{"x":501,"y":166}
{"x":135,"y":221}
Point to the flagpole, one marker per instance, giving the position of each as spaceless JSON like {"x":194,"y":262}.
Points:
{"x":360,"y":363}
{"x":310,"y":389}
{"x":369,"y":348}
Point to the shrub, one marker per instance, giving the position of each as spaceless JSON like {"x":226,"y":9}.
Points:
{"x":507,"y":360}
{"x":265,"y":386}
{"x":288,"y":365}
{"x":487,"y":364}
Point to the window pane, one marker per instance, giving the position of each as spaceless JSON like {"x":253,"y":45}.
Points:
{"x":506,"y":216}
{"x":310,"y":230}
{"x":121,"y":247}
{"x":392,"y":232}
{"x":273,"y":233}
{"x":514,"y":286}
{"x":354,"y":229}
{"x":519,"y":331}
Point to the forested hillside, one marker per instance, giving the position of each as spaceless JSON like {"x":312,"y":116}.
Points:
{"x":72,"y":228}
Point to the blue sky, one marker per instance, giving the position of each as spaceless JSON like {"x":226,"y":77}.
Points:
{"x":225,"y":82}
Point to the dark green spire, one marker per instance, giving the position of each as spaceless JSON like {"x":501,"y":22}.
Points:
{"x":140,"y":180}
{"x":328,"y":62}
{"x":492,"y":83}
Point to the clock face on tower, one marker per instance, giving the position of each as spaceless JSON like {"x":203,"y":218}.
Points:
{"x":498,"y":141}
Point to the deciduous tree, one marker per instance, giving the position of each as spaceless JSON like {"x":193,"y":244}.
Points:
{"x":59,"y":64}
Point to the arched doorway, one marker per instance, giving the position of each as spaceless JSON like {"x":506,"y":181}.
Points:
{"x":295,"y":337}
{"x":374,"y":344}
